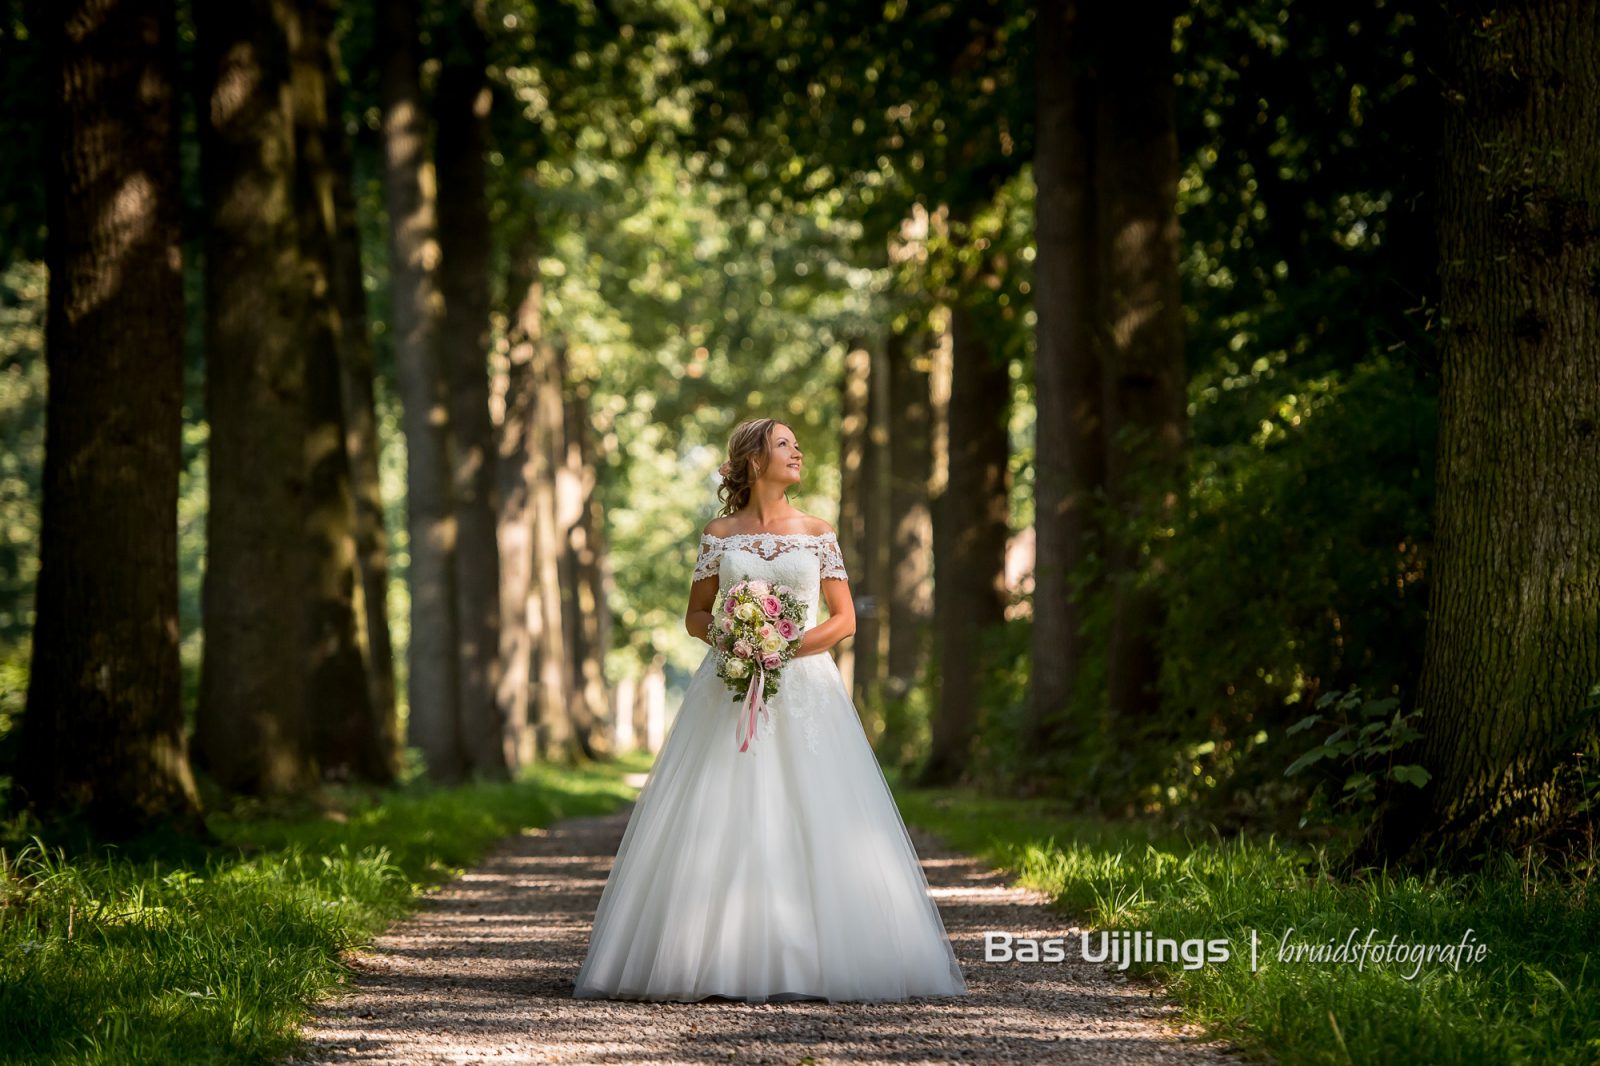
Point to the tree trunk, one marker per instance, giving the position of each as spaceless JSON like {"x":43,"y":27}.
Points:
{"x":911,"y":353}
{"x":252,"y":731}
{"x":518,"y":397}
{"x":434,"y":724}
{"x":971,"y":521}
{"x":574,"y":484}
{"x":561,"y":591}
{"x":103,"y":728}
{"x":557,"y":732}
{"x":853,"y":415}
{"x":338,"y":701}
{"x":463,"y":109}
{"x":871,"y":571}
{"x":558,"y":738}
{"x":357,"y":372}
{"x":1070,"y":449}
{"x":1143,"y":381}
{"x":1512,"y":646}
{"x":910,"y":584}
{"x":624,"y":738}
{"x":588,"y":595}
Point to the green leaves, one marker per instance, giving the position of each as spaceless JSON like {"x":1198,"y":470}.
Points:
{"x":1366,"y":735}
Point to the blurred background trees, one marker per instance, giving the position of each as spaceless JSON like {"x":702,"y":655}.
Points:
{"x":1114,"y":335}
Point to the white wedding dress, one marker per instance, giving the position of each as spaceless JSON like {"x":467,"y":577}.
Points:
{"x":782,"y":872}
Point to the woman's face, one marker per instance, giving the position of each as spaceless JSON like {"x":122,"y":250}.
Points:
{"x":783,"y":462}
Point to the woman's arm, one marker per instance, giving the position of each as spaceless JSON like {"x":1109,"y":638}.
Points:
{"x":702,"y":594}
{"x":841,"y":621}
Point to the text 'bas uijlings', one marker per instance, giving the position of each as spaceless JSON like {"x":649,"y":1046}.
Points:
{"x":1120,"y":949}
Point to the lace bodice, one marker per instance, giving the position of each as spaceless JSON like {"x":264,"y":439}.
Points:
{"x":799,"y":560}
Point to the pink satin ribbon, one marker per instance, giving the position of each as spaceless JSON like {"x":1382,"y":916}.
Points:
{"x":745,"y":730}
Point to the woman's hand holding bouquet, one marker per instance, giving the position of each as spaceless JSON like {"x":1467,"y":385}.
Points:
{"x":755,"y":630}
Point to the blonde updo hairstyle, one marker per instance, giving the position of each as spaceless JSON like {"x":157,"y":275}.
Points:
{"x":747,"y":446}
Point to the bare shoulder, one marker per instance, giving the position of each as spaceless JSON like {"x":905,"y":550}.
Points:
{"x":719,"y":526}
{"x":816,"y":527}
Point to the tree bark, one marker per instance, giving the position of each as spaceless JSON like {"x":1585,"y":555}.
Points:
{"x":252,"y":731}
{"x":534,"y":644}
{"x":583,"y":554}
{"x":853,"y":415}
{"x":463,"y":108}
{"x":357,"y":372}
{"x":344,"y":734}
{"x":103,"y":727}
{"x":1070,"y":427}
{"x":911,"y":352}
{"x":559,"y":736}
{"x":1143,"y":379}
{"x":434,"y":723}
{"x":871,"y":571}
{"x":518,"y":395}
{"x":971,"y":523}
{"x":910,"y":577}
{"x":1512,"y":646}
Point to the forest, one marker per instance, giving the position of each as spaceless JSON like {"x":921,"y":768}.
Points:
{"x":1206,"y":395}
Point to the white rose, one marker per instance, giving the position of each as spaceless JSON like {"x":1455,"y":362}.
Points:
{"x":749,"y":612}
{"x":738,"y":667}
{"x":773,"y":643}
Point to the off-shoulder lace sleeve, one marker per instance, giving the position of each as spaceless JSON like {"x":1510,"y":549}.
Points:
{"x":710,"y":556}
{"x":831,"y":558}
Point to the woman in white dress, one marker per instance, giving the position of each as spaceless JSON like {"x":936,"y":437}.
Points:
{"x":783,"y":871}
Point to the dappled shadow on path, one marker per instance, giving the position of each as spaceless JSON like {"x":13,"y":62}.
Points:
{"x":484,"y":971}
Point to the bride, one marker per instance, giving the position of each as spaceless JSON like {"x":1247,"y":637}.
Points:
{"x":782,"y":871}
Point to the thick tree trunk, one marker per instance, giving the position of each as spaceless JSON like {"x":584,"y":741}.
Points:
{"x":970,"y":526}
{"x":516,"y":390}
{"x":1143,"y":379}
{"x":853,"y":414}
{"x":434,"y":724}
{"x":870,"y":578}
{"x":463,"y":109}
{"x":584,"y":564}
{"x":908,"y":584}
{"x":103,"y":728}
{"x":357,"y":388}
{"x":1512,"y":646}
{"x":252,"y":733}
{"x":535,"y":686}
{"x":558,"y":733}
{"x":1070,"y":449}
{"x":910,"y":574}
{"x":338,"y":701}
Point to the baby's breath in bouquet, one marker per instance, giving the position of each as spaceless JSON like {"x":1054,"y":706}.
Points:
{"x":756,"y":631}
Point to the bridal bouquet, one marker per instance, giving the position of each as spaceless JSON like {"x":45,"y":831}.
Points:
{"x":755,"y":630}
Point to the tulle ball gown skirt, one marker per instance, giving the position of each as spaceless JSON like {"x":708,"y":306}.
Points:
{"x":782,"y":872}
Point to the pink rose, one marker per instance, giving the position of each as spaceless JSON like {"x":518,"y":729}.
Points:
{"x":772,"y":607}
{"x":787,"y":629}
{"x":728,"y":605}
{"x":771,"y":661}
{"x":783,"y":589}
{"x":758,"y":587}
{"x":764,"y":632}
{"x":742,"y":649}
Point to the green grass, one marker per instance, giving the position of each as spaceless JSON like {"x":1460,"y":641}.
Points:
{"x":1532,"y":999}
{"x":158,"y":953}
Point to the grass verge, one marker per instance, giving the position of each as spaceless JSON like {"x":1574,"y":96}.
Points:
{"x":159,"y":953}
{"x":1531,"y":998}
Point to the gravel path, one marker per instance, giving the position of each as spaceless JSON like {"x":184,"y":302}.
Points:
{"x":483,"y":972}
